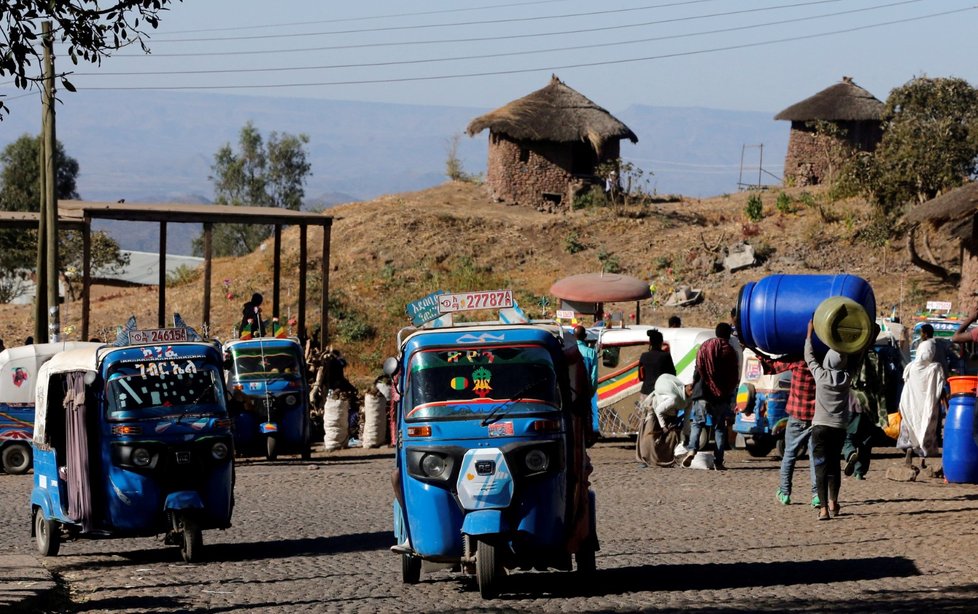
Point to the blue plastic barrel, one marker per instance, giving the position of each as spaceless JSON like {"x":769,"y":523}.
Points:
{"x":773,"y":313}
{"x":960,"y":451}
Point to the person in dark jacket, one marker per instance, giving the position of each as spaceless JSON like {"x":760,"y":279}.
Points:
{"x":251,"y":311}
{"x":653,"y":363}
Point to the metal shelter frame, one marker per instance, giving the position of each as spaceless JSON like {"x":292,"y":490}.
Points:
{"x":78,"y":215}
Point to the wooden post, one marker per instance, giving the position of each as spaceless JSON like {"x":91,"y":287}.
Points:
{"x":40,"y":267}
{"x":205,"y":319}
{"x":86,"y":277}
{"x":277,"y":272}
{"x":50,"y":211}
{"x":161,"y":317}
{"x":324,"y":316}
{"x":303,"y":255}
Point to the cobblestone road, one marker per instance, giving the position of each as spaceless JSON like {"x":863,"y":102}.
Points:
{"x":315,"y":536}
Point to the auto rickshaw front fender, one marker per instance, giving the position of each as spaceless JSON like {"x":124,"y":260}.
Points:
{"x":183,"y":500}
{"x":485,"y":522}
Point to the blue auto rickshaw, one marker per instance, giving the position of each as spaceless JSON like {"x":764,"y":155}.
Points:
{"x":132,"y":441}
{"x":270,"y":410}
{"x":491,"y":471}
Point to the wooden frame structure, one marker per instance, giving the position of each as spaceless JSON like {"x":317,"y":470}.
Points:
{"x":78,"y":215}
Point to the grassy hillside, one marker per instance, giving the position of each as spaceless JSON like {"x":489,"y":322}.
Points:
{"x":397,"y":248}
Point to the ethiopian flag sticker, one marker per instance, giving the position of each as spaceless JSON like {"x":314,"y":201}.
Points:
{"x":459,"y":383}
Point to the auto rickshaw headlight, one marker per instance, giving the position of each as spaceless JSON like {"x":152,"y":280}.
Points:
{"x":433,"y":465}
{"x":141,"y":457}
{"x":219,"y":450}
{"x":291,"y":400}
{"x":536,"y":461}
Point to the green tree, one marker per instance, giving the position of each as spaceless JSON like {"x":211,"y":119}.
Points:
{"x":929,"y":145}
{"x":262,"y":174}
{"x":20,"y":191}
{"x":89,"y":29}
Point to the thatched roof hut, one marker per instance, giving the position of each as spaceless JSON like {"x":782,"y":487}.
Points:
{"x":812,"y":155}
{"x":546,"y":145}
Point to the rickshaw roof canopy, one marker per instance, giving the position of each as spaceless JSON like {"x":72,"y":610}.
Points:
{"x":601,"y":288}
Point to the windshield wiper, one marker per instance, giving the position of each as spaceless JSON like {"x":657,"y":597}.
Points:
{"x":496,"y":412}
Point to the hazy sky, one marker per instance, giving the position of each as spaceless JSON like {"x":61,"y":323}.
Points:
{"x":759,"y":55}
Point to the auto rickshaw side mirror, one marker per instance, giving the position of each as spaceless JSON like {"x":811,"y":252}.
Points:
{"x":390,"y":366}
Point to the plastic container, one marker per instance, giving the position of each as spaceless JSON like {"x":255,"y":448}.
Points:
{"x":773,"y":313}
{"x":843,"y":325}
{"x":963,"y":384}
{"x":960,"y":451}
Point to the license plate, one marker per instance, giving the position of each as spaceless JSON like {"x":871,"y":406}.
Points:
{"x":183,"y":458}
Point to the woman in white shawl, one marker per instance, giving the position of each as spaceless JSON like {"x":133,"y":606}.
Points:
{"x":920,"y":403}
{"x":659,"y":433}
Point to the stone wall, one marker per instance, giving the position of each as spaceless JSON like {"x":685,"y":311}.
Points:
{"x":540,"y":173}
{"x":812,"y":158}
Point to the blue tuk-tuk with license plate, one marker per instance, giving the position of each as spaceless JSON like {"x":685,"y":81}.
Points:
{"x":266,"y":377}
{"x":491,"y":471}
{"x":761,"y":415}
{"x":132,"y":441}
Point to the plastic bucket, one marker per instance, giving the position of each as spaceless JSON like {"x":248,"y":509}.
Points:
{"x":843,"y":325}
{"x":960,"y":451}
{"x":773,"y":313}
{"x":963,"y":384}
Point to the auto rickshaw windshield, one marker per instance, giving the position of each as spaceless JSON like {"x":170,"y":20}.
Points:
{"x":254,"y":363}
{"x":471,"y":382}
{"x":153,"y":389}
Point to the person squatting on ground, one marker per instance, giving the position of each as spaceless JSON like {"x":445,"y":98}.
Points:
{"x":800,"y":409}
{"x":714,"y":383}
{"x":654,"y":362}
{"x":832,"y":386}
{"x":920,"y":404}
{"x":659,"y":432}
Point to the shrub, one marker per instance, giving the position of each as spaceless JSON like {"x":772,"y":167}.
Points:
{"x":183,"y":275}
{"x":754,"y":210}
{"x":609,"y":263}
{"x":573,"y":243}
{"x":783,"y":204}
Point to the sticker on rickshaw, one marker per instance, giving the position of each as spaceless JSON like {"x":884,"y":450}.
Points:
{"x":501,"y":429}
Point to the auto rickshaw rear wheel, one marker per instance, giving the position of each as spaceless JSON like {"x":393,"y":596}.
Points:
{"x":760,"y":445}
{"x":488,"y":569}
{"x":16,"y":458}
{"x":192,"y":544}
{"x":410,"y":569}
{"x":271,"y":453}
{"x":586,"y":561}
{"x":47,"y":534}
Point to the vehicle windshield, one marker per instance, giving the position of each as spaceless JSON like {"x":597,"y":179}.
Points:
{"x":160,"y":388}
{"x":471,"y":382}
{"x":268,"y":363}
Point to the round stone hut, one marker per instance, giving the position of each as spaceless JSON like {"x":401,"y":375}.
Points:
{"x":816,"y":149}
{"x":545,"y":147}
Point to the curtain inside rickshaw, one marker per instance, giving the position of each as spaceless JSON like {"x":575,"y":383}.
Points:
{"x":79,"y":488}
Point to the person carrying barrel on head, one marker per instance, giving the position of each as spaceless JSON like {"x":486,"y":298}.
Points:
{"x":829,"y":423}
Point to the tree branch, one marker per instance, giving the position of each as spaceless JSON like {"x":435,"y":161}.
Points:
{"x":929,"y":267}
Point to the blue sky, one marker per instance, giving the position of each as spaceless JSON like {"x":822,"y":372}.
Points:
{"x":721,"y":54}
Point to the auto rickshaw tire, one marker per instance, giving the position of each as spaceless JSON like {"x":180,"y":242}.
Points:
{"x":759,"y":447}
{"x":47,"y":534}
{"x":410,"y":569}
{"x":586,"y":559}
{"x":780,"y":447}
{"x":16,"y":458}
{"x":271,"y":445}
{"x":488,"y":569}
{"x":192,"y":544}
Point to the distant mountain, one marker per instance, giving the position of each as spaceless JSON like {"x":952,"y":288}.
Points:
{"x":159,"y":147}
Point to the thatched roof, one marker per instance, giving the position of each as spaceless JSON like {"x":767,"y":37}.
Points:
{"x":844,"y":101}
{"x":554,"y":113}
{"x":955,"y":209}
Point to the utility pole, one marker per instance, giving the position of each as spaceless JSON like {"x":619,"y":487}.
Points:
{"x":48,"y":146}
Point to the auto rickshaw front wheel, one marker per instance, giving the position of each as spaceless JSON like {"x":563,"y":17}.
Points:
{"x":192,"y":542}
{"x":271,"y":453}
{"x":488,"y":569}
{"x":410,"y":569}
{"x":16,"y":458}
{"x":47,"y":534}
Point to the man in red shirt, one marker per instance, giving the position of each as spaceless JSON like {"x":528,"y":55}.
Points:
{"x":714,"y":384}
{"x":800,"y":409}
